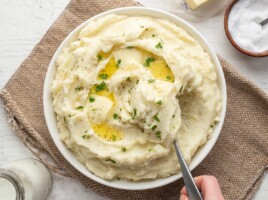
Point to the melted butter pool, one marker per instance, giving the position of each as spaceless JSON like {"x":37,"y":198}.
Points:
{"x":107,"y":132}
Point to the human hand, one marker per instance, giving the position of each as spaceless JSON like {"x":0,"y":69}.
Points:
{"x":209,"y":187}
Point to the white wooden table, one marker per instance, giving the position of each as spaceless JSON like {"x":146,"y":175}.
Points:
{"x":22,"y":25}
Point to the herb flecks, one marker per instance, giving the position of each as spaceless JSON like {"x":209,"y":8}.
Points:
{"x":148,"y":61}
{"x":181,"y":88}
{"x":99,"y":56}
{"x":134,"y":114}
{"x":115,"y":116}
{"x":168,"y":77}
{"x":118,"y":63}
{"x":91,"y":99}
{"x":124,"y":149}
{"x":79,"y":88}
{"x":159,"y":46}
{"x":79,"y":107}
{"x":158,"y":135}
{"x":86,"y":136}
{"x":103,"y":76}
{"x":151,"y":81}
{"x":101,"y":86}
{"x":130,"y":47}
{"x":154,"y":127}
{"x":156,"y":118}
{"x":151,"y":149}
{"x":128,"y":79}
{"x":110,"y":160}
{"x":159,"y":102}
{"x":113,"y":138}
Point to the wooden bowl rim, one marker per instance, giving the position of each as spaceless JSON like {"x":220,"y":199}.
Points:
{"x":228,"y":34}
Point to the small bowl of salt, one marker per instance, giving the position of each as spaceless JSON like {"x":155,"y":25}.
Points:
{"x":246,"y":26}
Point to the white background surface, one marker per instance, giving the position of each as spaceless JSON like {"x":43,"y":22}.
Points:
{"x":22,"y":25}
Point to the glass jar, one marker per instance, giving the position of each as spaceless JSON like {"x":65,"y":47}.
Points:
{"x":26,"y":179}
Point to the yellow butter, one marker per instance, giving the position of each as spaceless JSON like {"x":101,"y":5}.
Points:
{"x":193,"y":4}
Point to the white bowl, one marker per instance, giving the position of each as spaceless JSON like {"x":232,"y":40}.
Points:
{"x":51,"y":117}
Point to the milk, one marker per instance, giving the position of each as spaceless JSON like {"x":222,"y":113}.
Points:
{"x":34,"y":177}
{"x":7,"y":190}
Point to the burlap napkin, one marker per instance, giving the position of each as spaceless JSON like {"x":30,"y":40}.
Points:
{"x":238,"y":159}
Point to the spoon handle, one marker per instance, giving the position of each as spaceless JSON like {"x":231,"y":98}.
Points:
{"x":264,"y":22}
{"x":191,"y":187}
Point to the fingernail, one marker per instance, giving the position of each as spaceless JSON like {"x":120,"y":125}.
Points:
{"x":182,"y":197}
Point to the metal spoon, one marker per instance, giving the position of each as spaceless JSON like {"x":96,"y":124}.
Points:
{"x":264,"y":22}
{"x":190,"y":185}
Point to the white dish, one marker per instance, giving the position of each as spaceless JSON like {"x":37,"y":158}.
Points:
{"x":51,"y":117}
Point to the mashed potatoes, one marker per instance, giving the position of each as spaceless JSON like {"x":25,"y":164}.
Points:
{"x":126,"y":88}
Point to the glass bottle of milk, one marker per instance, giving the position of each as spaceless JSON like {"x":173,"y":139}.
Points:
{"x":26,"y":179}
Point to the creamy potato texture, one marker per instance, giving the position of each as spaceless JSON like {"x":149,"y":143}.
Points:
{"x":126,"y":88}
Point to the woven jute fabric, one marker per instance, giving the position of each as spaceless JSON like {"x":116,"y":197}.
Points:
{"x":238,"y":159}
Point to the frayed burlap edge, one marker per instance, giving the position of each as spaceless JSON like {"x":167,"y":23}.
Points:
{"x":22,"y":128}
{"x":253,"y":187}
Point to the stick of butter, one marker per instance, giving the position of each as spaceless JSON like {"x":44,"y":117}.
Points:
{"x":193,"y":4}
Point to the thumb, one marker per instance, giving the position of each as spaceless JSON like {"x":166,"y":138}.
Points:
{"x":184,"y":197}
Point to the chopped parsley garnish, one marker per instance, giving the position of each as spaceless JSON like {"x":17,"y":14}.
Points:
{"x":153,"y":35}
{"x":128,"y":79}
{"x":156,"y":118}
{"x":151,"y":149}
{"x":151,"y":80}
{"x":211,"y":126}
{"x":118,"y":62}
{"x":159,"y":46}
{"x":124,"y":149}
{"x":134,"y":113}
{"x":99,"y":57}
{"x":111,"y":160}
{"x":77,"y":89}
{"x":86,"y":136}
{"x":137,"y":82}
{"x":103,"y":76}
{"x":79,"y":107}
{"x":181,"y":88}
{"x":91,"y":99}
{"x":142,"y":26}
{"x":168,"y":78}
{"x":113,"y":138}
{"x":173,"y":116}
{"x":154,"y":127}
{"x":148,"y":61}
{"x":101,"y":86}
{"x":130,"y":47}
{"x":64,"y":118}
{"x":158,"y":135}
{"x":159,"y":102}
{"x":115,"y":116}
